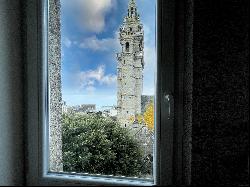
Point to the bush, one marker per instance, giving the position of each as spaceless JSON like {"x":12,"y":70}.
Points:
{"x":97,"y":145}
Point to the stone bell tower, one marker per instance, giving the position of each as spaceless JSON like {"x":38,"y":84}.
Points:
{"x":130,"y":66}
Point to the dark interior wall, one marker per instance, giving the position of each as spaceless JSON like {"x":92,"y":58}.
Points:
{"x":220,"y":92}
{"x":11,"y":94}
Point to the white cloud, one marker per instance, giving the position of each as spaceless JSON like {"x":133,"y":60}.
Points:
{"x":149,"y":58}
{"x":91,"y":13}
{"x":95,"y":44}
{"x":67,"y":42}
{"x":150,"y":61}
{"x":149,"y":71}
{"x":90,"y":89}
{"x":149,"y":35}
{"x":90,"y":79}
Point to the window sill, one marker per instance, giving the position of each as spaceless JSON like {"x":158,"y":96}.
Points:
{"x":62,"y":178}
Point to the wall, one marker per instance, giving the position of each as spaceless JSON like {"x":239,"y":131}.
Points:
{"x":220,"y":92}
{"x":11,"y":138}
{"x":54,"y":66}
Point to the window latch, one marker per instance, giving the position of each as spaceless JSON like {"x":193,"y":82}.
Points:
{"x":169,"y":100}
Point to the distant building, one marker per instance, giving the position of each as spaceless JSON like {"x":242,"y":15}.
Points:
{"x":87,"y":108}
{"x":110,"y":111}
{"x":64,"y":107}
{"x":84,"y":108}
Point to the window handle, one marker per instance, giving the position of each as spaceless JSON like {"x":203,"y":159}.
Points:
{"x":169,"y":100}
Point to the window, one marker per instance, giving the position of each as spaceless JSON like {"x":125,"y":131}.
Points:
{"x":127,"y":47}
{"x":39,"y":140}
{"x":99,"y":79}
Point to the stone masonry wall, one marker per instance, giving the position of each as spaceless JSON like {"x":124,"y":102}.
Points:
{"x":55,"y":99}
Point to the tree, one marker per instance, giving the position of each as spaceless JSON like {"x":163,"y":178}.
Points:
{"x":97,"y":145}
{"x":149,"y":116}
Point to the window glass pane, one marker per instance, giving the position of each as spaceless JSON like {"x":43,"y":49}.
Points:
{"x":101,"y":69}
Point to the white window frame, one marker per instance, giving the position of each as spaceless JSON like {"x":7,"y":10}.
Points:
{"x":36,"y":107}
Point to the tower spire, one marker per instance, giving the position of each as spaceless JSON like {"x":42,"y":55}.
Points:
{"x":132,"y":9}
{"x":132,"y":2}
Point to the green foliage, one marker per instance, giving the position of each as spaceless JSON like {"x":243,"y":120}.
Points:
{"x":97,"y":145}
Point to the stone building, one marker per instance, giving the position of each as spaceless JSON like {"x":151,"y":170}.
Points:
{"x":109,"y":111}
{"x":130,"y":66}
{"x":85,"y":108}
{"x":55,"y":94}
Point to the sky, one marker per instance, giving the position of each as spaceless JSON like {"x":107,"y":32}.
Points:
{"x":89,"y":37}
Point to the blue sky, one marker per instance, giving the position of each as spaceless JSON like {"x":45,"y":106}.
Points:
{"x":89,"y":47}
